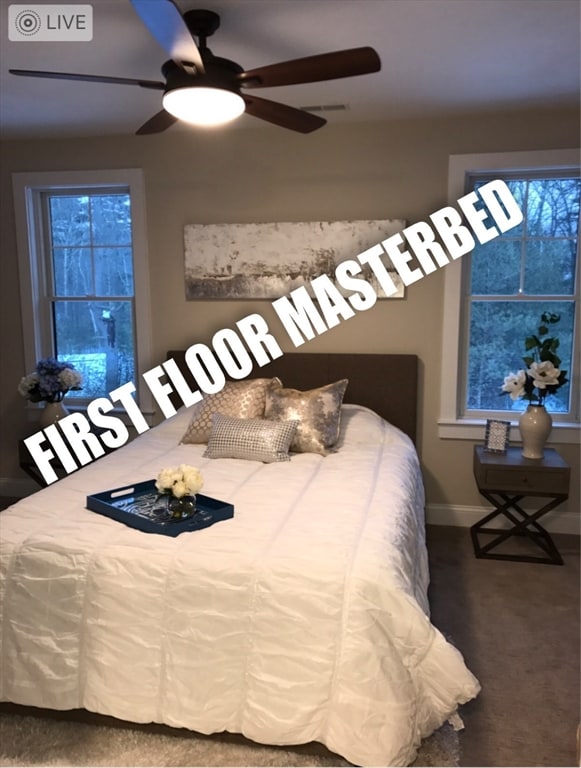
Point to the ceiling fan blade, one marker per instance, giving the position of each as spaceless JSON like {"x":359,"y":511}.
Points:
{"x":281,"y":114}
{"x":312,"y":69}
{"x":154,"y":84}
{"x":166,"y":24}
{"x":158,"y":123}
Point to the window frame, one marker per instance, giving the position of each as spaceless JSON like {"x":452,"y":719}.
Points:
{"x":30,"y":190}
{"x":451,"y":423}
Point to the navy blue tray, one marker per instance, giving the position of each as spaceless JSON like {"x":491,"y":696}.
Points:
{"x":141,"y":506}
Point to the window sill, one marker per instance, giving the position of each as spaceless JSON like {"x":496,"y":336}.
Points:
{"x":563,"y":433}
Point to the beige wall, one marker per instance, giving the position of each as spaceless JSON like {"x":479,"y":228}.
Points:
{"x":380,"y":170}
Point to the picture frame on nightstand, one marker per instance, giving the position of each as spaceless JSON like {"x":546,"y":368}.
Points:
{"x":497,"y":436}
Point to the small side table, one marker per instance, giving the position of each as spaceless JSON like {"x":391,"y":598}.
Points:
{"x":504,"y":479}
{"x":27,"y":463}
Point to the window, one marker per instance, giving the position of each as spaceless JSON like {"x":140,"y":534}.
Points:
{"x":84,"y":294}
{"x":90,"y":255}
{"x":495,"y":297}
{"x":514,"y":279}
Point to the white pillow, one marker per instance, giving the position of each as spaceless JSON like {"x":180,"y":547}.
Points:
{"x":362,"y":426}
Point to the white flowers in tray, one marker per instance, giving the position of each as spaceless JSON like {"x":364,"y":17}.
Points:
{"x":180,"y":481}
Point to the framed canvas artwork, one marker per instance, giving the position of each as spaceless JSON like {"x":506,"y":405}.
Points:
{"x":267,"y":261}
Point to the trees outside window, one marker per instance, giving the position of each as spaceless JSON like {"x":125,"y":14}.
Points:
{"x":512,"y":280}
{"x":91,"y":290}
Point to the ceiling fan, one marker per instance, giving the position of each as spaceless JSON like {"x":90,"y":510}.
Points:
{"x":204,"y":89}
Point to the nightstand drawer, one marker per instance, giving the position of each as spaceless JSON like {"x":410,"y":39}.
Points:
{"x":526,"y":480}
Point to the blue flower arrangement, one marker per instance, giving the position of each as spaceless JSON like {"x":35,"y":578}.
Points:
{"x":50,"y":381}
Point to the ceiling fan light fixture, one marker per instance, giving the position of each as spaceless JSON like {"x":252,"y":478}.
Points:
{"x":203,"y":106}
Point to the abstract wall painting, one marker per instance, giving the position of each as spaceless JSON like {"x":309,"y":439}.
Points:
{"x":267,"y":261}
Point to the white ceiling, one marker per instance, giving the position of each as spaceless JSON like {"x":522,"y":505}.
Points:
{"x":438,"y":56}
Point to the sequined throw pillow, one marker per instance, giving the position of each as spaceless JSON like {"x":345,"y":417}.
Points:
{"x":251,"y":439}
{"x":238,"y":399}
{"x":318,"y":412}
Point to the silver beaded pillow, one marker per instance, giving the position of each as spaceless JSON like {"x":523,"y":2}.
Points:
{"x":318,"y":412}
{"x":239,"y":399}
{"x":251,"y":439}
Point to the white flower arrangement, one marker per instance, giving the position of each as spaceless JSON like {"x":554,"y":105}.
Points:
{"x":180,"y":481}
{"x":543,"y":375}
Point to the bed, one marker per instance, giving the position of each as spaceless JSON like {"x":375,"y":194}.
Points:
{"x":303,"y":618}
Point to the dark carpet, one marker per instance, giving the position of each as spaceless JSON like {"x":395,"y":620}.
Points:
{"x":517,"y":625}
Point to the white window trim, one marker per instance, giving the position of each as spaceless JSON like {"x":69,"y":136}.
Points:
{"x":28,"y":185}
{"x":450,"y":425}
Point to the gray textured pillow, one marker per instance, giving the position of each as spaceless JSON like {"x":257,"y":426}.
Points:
{"x":318,"y":412}
{"x":239,"y":399}
{"x":251,"y":439}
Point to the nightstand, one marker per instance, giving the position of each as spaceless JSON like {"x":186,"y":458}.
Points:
{"x":504,"y":479}
{"x":27,"y":463}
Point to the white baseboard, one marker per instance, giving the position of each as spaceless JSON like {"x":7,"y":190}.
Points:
{"x":557,"y":521}
{"x":18,"y":486}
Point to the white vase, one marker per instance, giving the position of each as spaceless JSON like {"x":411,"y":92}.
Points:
{"x":535,"y":426}
{"x":52,"y":413}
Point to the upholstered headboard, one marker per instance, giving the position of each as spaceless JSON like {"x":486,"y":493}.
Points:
{"x":388,"y":384}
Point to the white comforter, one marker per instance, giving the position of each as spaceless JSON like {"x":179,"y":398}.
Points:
{"x":304,"y":618}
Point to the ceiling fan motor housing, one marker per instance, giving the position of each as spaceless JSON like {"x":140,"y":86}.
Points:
{"x":220,"y":73}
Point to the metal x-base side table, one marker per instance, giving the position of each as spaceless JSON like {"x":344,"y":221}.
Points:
{"x":505,"y":480}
